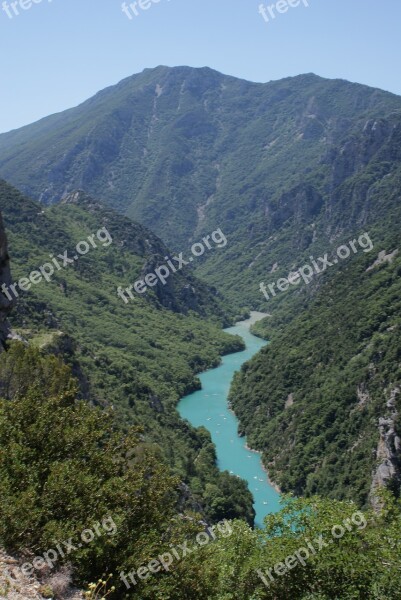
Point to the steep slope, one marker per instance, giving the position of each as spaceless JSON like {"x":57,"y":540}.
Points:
{"x":322,"y":401}
{"x":325,"y":394}
{"x":138,"y":357}
{"x":356,"y":184}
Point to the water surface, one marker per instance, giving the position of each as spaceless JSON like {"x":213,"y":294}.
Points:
{"x":209,"y":407}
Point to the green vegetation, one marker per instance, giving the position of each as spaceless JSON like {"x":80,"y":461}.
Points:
{"x":314,"y":164}
{"x":138,"y":358}
{"x":65,"y":465}
{"x":363,"y":564}
{"x":312,"y":399}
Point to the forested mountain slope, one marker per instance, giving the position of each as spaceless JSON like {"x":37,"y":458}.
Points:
{"x":322,"y":400}
{"x":278,"y":166}
{"x":139,"y":357}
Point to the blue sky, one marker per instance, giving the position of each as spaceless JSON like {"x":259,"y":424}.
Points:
{"x":57,"y":53}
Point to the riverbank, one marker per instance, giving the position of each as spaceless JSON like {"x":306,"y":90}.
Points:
{"x":271,"y":482}
{"x":256,"y":316}
{"x":209,"y":408}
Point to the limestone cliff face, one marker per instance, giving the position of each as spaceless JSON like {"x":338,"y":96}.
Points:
{"x":388,"y":451}
{"x":5,"y":277}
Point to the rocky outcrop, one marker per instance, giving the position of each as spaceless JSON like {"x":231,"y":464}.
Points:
{"x":362,"y":395}
{"x":14,"y":585}
{"x":387,"y":453}
{"x":382,"y":258}
{"x":301,"y":203}
{"x":5,"y":278}
{"x":290,"y":401}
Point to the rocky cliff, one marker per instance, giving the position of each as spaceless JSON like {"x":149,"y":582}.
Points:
{"x":387,"y":453}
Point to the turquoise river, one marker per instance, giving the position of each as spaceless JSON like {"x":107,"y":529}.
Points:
{"x":209,"y":407}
